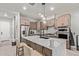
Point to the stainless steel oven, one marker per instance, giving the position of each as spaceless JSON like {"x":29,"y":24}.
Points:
{"x":63,"y":32}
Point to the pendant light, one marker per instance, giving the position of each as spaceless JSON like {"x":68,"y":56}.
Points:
{"x":44,"y":18}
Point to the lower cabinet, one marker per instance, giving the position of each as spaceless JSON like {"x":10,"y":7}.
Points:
{"x":47,"y":52}
{"x":39,"y":48}
{"x":43,"y":50}
{"x":67,"y":45}
{"x":36,"y":47}
{"x":33,"y":45}
{"x":23,"y":40}
{"x":28,"y":43}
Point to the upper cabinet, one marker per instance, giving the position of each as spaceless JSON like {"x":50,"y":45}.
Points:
{"x":33,"y":25}
{"x":43,"y":26}
{"x":63,"y":21}
{"x":24,"y":21}
{"x":50,"y":22}
{"x":38,"y":25}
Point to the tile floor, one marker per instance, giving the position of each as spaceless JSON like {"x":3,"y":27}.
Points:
{"x":6,"y":49}
{"x":72,"y":52}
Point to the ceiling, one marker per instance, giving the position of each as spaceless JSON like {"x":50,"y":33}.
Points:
{"x":32,"y":11}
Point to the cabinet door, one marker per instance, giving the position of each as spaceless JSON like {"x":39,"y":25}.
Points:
{"x":24,"y":21}
{"x":33,"y":45}
{"x":27,"y":42}
{"x":38,"y":25}
{"x":39,"y":48}
{"x":50,"y":22}
{"x":63,"y":21}
{"x":43,"y":26}
{"x":33,"y":25}
{"x":47,"y":52}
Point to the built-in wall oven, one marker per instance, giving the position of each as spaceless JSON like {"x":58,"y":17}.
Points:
{"x":63,"y":32}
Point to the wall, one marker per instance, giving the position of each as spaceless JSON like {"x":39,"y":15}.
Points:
{"x":75,"y":23}
{"x":12,"y":30}
{"x":17,"y":26}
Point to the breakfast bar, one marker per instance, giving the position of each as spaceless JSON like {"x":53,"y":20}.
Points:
{"x":47,"y":47}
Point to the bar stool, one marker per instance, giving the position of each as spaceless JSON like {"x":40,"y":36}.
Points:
{"x":23,"y":50}
{"x":19,"y":49}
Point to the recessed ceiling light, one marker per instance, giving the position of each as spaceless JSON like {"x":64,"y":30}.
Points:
{"x":52,"y":8}
{"x":24,"y":8}
{"x":5,"y":15}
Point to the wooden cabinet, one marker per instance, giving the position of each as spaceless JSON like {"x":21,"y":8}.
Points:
{"x":38,"y":48}
{"x":63,"y":21}
{"x":23,"y":40}
{"x":38,"y":25}
{"x":43,"y":50}
{"x":50,"y":22}
{"x":68,"y":45}
{"x":33,"y":45}
{"x":43,"y":26}
{"x":24,"y":21}
{"x":28,"y":43}
{"x":33,"y":25}
{"x":47,"y":52}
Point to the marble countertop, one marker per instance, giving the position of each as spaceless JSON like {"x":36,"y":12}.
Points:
{"x":48,"y":43}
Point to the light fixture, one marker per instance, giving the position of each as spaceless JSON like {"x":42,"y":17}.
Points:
{"x":52,"y":8}
{"x":5,"y":15}
{"x":41,"y":15}
{"x":43,"y":18}
{"x":24,"y":8}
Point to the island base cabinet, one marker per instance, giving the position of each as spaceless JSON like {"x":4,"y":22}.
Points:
{"x":67,"y":45}
{"x":28,"y":43}
{"x":39,"y":48}
{"x":33,"y":45}
{"x":36,"y":47}
{"x":23,"y":40}
{"x":47,"y":52}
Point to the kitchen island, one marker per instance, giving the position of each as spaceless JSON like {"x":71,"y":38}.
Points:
{"x":47,"y":47}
